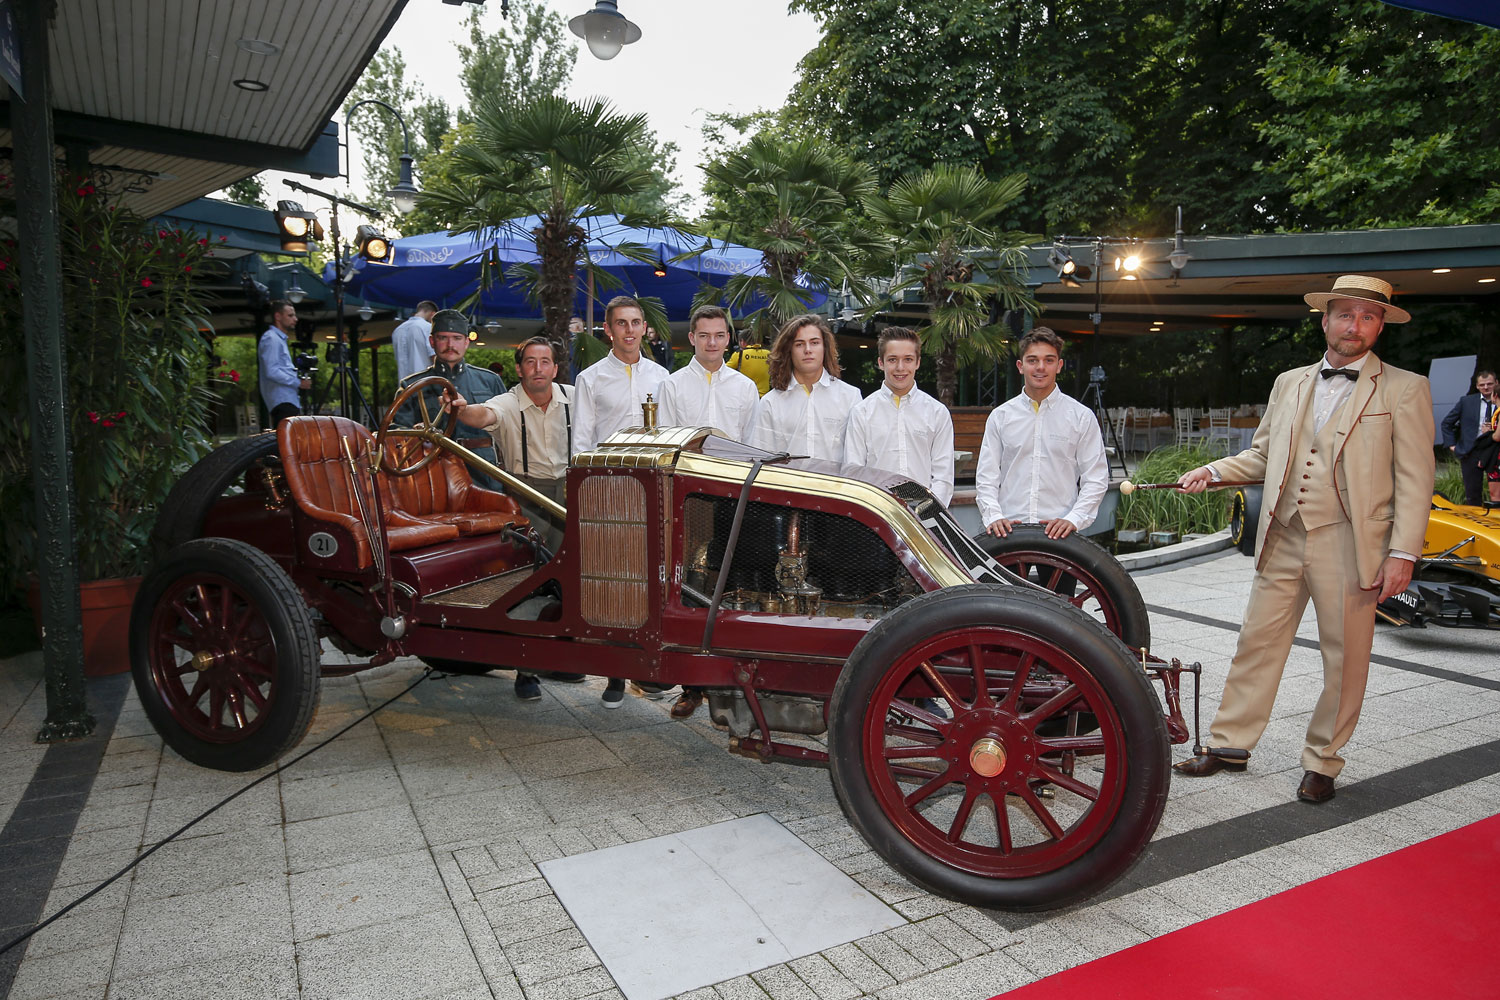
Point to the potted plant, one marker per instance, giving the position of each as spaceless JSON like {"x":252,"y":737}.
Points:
{"x":138,"y":396}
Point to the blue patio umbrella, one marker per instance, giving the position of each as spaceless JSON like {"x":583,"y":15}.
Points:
{"x":447,"y":269}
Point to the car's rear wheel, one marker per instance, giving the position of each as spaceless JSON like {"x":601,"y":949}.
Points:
{"x":984,"y":802}
{"x":224,"y":655}
{"x":220,"y":472}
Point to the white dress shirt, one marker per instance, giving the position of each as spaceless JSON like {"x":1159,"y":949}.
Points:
{"x":693,"y":396}
{"x":544,"y":454}
{"x":805,"y":419}
{"x":1331,"y":393}
{"x":1041,"y":461}
{"x":607,"y":397}
{"x":911,"y":435}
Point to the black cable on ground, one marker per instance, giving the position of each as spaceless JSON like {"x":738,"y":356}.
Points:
{"x":204,"y":815}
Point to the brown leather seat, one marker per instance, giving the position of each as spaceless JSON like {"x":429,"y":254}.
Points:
{"x":317,"y":474}
{"x":445,"y":492}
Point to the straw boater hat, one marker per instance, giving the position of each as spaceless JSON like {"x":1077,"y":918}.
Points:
{"x":1357,"y":286}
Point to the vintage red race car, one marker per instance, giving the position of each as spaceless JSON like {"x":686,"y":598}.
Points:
{"x":994,"y":741}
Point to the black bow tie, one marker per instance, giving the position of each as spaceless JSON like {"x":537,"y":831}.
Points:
{"x":1352,"y":374}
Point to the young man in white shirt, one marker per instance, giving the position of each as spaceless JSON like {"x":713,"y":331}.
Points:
{"x":1042,"y":460}
{"x":608,"y":394}
{"x":898,"y":427}
{"x":807,"y":409}
{"x":607,"y":397}
{"x":706,"y":391}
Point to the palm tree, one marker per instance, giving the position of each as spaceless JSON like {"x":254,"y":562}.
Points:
{"x":560,"y":163}
{"x":941,"y":240}
{"x":796,"y":201}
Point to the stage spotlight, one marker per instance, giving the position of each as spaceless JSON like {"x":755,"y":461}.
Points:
{"x":1061,"y":261}
{"x":372,"y":244}
{"x":296,"y":227}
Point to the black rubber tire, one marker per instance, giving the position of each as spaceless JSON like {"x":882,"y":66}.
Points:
{"x":1133,"y":625}
{"x":180,"y":518}
{"x":294,"y":659}
{"x":1244,"y":517}
{"x":1142,"y":730}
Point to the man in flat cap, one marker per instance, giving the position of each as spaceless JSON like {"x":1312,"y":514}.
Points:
{"x":1345,"y":449}
{"x":450,"y":342}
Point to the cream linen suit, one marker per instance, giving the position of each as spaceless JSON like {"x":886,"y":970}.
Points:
{"x":1381,"y":466}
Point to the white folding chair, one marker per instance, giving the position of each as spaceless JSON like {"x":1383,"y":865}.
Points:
{"x":1185,"y":424}
{"x":1219,"y":430}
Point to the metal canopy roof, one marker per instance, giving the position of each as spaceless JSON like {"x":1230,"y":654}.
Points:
{"x":149,"y":85}
{"x":1234,"y":280}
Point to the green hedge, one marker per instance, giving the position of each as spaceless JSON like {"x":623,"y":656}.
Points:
{"x":1170,"y":510}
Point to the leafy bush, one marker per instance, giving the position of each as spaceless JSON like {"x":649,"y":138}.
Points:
{"x":1169,"y":510}
{"x":139,"y":389}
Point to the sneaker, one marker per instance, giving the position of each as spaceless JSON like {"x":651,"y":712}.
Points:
{"x":614,"y":693}
{"x":528,"y":688}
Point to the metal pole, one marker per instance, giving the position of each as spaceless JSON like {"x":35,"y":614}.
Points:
{"x":42,"y":316}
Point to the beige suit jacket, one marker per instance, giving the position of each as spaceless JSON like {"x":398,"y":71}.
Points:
{"x":1383,"y":469}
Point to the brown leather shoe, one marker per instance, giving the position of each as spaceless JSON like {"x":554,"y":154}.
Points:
{"x":1202,"y":767}
{"x":687,"y":704}
{"x":1315,"y":787}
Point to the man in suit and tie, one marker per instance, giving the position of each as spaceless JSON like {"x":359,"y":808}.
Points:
{"x":1345,"y":449}
{"x":1470,"y":432}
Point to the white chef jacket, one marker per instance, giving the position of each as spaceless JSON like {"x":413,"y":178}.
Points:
{"x":693,"y":396}
{"x":607,"y":397}
{"x":911,"y":435}
{"x":1039,"y":462}
{"x":805,"y":419}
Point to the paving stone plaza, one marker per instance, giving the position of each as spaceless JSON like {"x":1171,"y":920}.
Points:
{"x":408,"y":859}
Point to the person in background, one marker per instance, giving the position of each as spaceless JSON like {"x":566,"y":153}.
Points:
{"x":1472,"y":432}
{"x":450,"y":342}
{"x":412,"y":341}
{"x":1042,"y":458}
{"x":807,"y":409}
{"x":607,"y":397}
{"x":1345,"y":449}
{"x":532,"y":428}
{"x":706,"y":392}
{"x":898,"y":427}
{"x":753,"y":360}
{"x":661,"y":351}
{"x":278,"y":377}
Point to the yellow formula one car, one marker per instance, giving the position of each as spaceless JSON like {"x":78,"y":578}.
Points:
{"x":1457,"y":581}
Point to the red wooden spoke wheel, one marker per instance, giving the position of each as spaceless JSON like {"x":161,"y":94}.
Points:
{"x":1079,"y":571}
{"x":943,"y":758}
{"x":224,"y":654}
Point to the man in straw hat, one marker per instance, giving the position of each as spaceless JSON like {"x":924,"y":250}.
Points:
{"x":1345,"y":449}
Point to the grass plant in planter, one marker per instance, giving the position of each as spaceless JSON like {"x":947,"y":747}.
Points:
{"x":1168,"y":510}
{"x":139,"y":391}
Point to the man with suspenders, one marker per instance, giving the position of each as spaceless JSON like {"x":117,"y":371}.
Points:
{"x":532,"y":425}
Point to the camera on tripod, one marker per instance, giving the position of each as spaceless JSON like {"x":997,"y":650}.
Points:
{"x":336,"y":354}
{"x":305,"y":359}
{"x":1096,"y":375}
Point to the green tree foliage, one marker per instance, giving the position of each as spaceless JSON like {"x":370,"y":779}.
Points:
{"x":1380,"y":118}
{"x":528,"y":56}
{"x":797,"y":202}
{"x":561,"y":162}
{"x":1254,"y":115}
{"x":250,"y":191}
{"x":941,"y":226}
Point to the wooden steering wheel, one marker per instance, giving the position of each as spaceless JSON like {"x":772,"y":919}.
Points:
{"x":427,"y":433}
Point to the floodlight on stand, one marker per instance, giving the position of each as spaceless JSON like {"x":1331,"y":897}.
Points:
{"x":1132,"y":262}
{"x":605,"y":29}
{"x":404,"y":194}
{"x":1062,"y":261}
{"x":371,"y":243}
{"x":296,"y":227}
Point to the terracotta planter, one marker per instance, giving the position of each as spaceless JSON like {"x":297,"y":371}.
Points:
{"x":106,"y":623}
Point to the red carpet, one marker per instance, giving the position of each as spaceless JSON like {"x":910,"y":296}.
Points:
{"x":1421,"y":922}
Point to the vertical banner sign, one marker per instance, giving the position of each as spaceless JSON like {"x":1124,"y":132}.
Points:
{"x":10,"y":50}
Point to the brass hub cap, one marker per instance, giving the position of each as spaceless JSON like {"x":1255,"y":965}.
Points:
{"x":203,"y":660}
{"x":987,"y":757}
